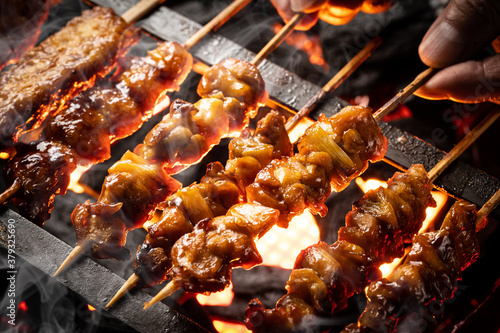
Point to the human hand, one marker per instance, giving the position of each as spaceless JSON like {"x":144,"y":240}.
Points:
{"x":288,"y":8}
{"x":463,"y":29}
{"x":332,"y":11}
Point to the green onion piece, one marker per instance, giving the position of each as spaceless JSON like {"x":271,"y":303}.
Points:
{"x":320,"y":139}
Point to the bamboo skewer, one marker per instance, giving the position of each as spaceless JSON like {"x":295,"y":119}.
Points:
{"x":73,"y":256}
{"x":129,"y":284}
{"x":486,"y":210}
{"x":172,"y":286}
{"x":404,"y":94}
{"x":465,"y":143}
{"x":217,"y":21}
{"x":335,"y":82}
{"x":168,"y":290}
{"x":10,"y":192}
{"x":135,"y":13}
{"x":277,"y":39}
{"x":142,"y":6}
{"x":139,"y":10}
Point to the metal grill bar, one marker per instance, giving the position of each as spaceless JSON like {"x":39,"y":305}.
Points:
{"x":90,"y":280}
{"x":287,"y":89}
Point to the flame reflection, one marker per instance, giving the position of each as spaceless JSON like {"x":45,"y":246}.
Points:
{"x":299,"y":130}
{"x":431,"y":213}
{"x":74,"y":183}
{"x":224,"y":326}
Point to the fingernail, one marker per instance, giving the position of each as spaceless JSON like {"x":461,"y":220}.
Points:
{"x":301,"y":5}
{"x":443,"y":46}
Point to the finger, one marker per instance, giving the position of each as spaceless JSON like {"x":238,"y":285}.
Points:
{"x":376,"y":6}
{"x":466,"y":82}
{"x":463,"y":29}
{"x":339,"y":12}
{"x":286,"y":13}
{"x":306,"y":6}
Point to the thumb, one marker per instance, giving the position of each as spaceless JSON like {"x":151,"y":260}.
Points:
{"x":466,"y":82}
{"x":463,"y":29}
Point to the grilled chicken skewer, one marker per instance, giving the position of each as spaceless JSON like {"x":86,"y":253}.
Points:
{"x":83,"y":130}
{"x":153,"y":257}
{"x":325,"y":276}
{"x":217,"y":191}
{"x":58,"y":68}
{"x":184,"y":135}
{"x":231,"y":92}
{"x":430,"y":271}
{"x":331,"y":152}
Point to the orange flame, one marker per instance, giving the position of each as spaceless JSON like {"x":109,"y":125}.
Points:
{"x":90,"y":307}
{"x":275,"y":251}
{"x":224,"y":326}
{"x":387,"y":269}
{"x":4,"y":155}
{"x":74,"y":183}
{"x":299,"y":130}
{"x":162,"y":103}
{"x":310,"y":44}
{"x":221,"y":298}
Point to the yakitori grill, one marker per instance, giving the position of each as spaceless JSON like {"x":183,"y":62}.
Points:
{"x":201,"y":166}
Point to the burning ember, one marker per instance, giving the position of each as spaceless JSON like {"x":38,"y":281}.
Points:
{"x":74,"y":184}
{"x":310,"y":44}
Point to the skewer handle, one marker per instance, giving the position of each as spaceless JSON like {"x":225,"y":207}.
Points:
{"x":400,"y":97}
{"x":71,"y":258}
{"x":335,"y":82}
{"x":277,"y":39}
{"x":464,"y":144}
{"x":216,"y":22}
{"x":129,"y":284}
{"x":139,"y":10}
{"x":486,"y":210}
{"x":10,"y":192}
{"x":168,"y":290}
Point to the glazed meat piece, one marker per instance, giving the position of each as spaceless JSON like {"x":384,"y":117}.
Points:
{"x":116,"y":108}
{"x":332,"y":152}
{"x":42,"y":170}
{"x":186,"y":133}
{"x":217,"y":191}
{"x":90,"y":122}
{"x":239,"y":85}
{"x":430,"y":272}
{"x":61,"y":66}
{"x":231,"y":93}
{"x":141,"y":84}
{"x":20,"y":25}
{"x":130,"y":193}
{"x":202,"y":260}
{"x":325,"y":276}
